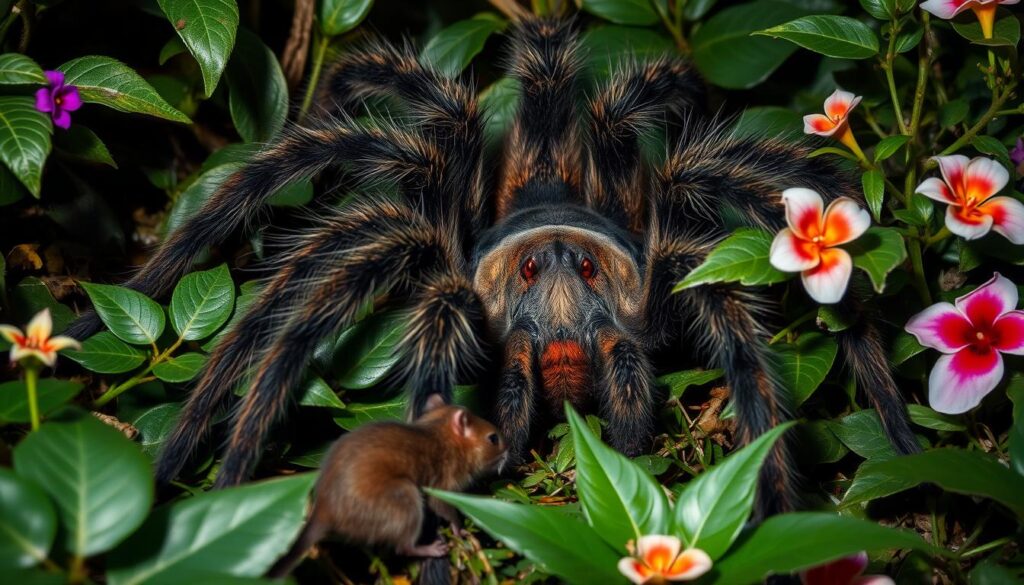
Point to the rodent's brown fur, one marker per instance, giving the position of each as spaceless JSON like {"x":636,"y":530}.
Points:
{"x":369,"y":491}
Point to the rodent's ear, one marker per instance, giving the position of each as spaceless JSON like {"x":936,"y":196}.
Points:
{"x":434,"y":401}
{"x":460,"y":422}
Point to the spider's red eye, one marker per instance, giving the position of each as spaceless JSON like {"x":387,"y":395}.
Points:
{"x":587,"y":268}
{"x":529,"y":270}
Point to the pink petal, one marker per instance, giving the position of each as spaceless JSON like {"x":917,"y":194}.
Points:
{"x":942,"y":327}
{"x":1008,"y":333}
{"x":958,"y":382}
{"x":844,"y":222}
{"x":44,"y":100}
{"x":945,"y":9}
{"x":791,"y":254}
{"x":62,"y":119}
{"x":1007,"y":217}
{"x":804,"y":211}
{"x":633,"y":570}
{"x":935,"y":188}
{"x":984,"y":178}
{"x":838,"y":572}
{"x":820,"y":125}
{"x":70,"y":99}
{"x":953,"y":168}
{"x":873,"y":580}
{"x":988,"y":302}
{"x":826,"y":283}
{"x":839,"y":104}
{"x":969,"y":225}
{"x":55,"y":78}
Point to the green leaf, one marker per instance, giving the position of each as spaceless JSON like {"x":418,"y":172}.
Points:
{"x":955,"y":470}
{"x":208,"y":29}
{"x":728,"y":56}
{"x":357,"y":415}
{"x":31,"y":295}
{"x":742,"y":257}
{"x":632,"y":12}
{"x":155,"y":426}
{"x":202,"y":302}
{"x":101,"y":482}
{"x":24,"y":140}
{"x":929,"y":419}
{"x":802,"y":366}
{"x":904,"y":347}
{"x":621,"y":501}
{"x":558,"y":543}
{"x":1005,"y":33}
{"x":862,"y":432}
{"x":712,"y":510}
{"x":606,"y":45}
{"x":499,"y":101}
{"x":111,"y":83}
{"x":50,"y":394}
{"x":1016,"y":392}
{"x":878,"y":252}
{"x":28,"y":523}
{"x":317,"y":392}
{"x":841,"y":37}
{"x":909,"y":38}
{"x":340,"y":16}
{"x":889,"y":146}
{"x":18,"y":69}
{"x":953,"y":112}
{"x":368,"y":353}
{"x":992,"y":146}
{"x":790,"y":542}
{"x":453,"y":47}
{"x":130,"y":315}
{"x":191,"y":200}
{"x":293,"y":195}
{"x":181,"y":368}
{"x":817,"y":444}
{"x":172,"y":48}
{"x":81,"y":143}
{"x":880,"y":9}
{"x":104,"y":353}
{"x":768,"y":121}
{"x":678,"y":382}
{"x":236,"y":532}
{"x":834,"y":320}
{"x":696,"y":9}
{"x":258,"y":93}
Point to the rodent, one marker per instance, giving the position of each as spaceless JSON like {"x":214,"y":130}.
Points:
{"x":369,"y":489}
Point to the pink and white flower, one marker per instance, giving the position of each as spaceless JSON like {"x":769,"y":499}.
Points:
{"x":835,"y":121}
{"x":35,"y":342}
{"x":985,"y":10}
{"x":657,"y":558}
{"x":972,"y":334}
{"x":845,"y":571}
{"x":808,"y":245}
{"x":968,"y":187}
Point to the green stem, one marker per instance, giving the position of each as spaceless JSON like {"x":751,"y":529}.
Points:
{"x":981,"y":124}
{"x":942,"y":235}
{"x":323,"y":42}
{"x":914,"y":249}
{"x":31,"y":378}
{"x":890,"y":57}
{"x":140,"y":378}
{"x":987,"y":547}
{"x":924,"y":59}
{"x":674,"y":26}
{"x":792,"y":326}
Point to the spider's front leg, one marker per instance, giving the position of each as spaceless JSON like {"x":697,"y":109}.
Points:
{"x":517,"y":390}
{"x":625,"y":395}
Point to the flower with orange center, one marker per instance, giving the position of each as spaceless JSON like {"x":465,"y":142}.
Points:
{"x":968,"y":187}
{"x":985,"y":10}
{"x":835,"y":122}
{"x":808,"y":245}
{"x":35,"y":342}
{"x":657,"y":559}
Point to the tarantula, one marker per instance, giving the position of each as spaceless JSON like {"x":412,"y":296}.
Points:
{"x":558,"y":273}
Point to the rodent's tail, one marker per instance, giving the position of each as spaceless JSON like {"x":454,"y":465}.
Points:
{"x":435,"y":571}
{"x":309,"y":536}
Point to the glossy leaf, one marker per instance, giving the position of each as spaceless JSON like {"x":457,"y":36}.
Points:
{"x":500,"y":101}
{"x":104,"y":353}
{"x":741,"y":257}
{"x":191,"y":200}
{"x":202,"y":302}
{"x":28,"y":523}
{"x":51,"y":393}
{"x":873,"y":184}
{"x":319,"y":393}
{"x":258,"y":93}
{"x":878,"y":252}
{"x":340,"y":16}
{"x":357,"y":414}
{"x":155,"y":426}
{"x":889,"y":146}
{"x":631,"y":12}
{"x":802,"y":366}
{"x":109,"y":82}
{"x":130,"y":315}
{"x":862,"y":432}
{"x":929,"y":419}
{"x":24,"y":140}
{"x":453,"y":47}
{"x":678,"y":382}
{"x":18,"y":69}
{"x":237,"y":532}
{"x":607,"y":47}
{"x":769,"y":122}
{"x":181,"y":368}
{"x":101,"y":483}
{"x":368,"y":353}
{"x":1015,"y":390}
{"x":904,"y":347}
{"x":1005,"y":33}
{"x":208,"y":29}
{"x":835,"y":36}
{"x":81,"y":143}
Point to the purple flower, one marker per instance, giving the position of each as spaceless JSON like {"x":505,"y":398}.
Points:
{"x":58,"y":99}
{"x":1017,"y":155}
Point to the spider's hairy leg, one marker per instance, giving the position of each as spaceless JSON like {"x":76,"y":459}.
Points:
{"x":514,"y":405}
{"x":625,"y":396}
{"x":635,"y":100}
{"x":542,"y":155}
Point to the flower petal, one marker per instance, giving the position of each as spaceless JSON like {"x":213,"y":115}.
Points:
{"x":942,"y":327}
{"x":44,"y":100}
{"x":804,"y":211}
{"x":839,"y":104}
{"x":844,"y":222}
{"x":791,"y":254}
{"x":55,"y":78}
{"x":984,"y":178}
{"x":40,"y":327}
{"x":1008,"y":333}
{"x":61,"y":342}
{"x":969,"y":225}
{"x":70,"y":99}
{"x":873,"y":580}
{"x":958,"y":382}
{"x":1007,"y":217}
{"x":945,"y":9}
{"x":19,"y":353}
{"x":988,"y":302}
{"x":953,"y":168}
{"x":12,"y":334}
{"x":826,"y":283}
{"x":634,"y":570}
{"x":657,"y":551}
{"x":935,"y":188}
{"x":692,"y":563}
{"x":62,"y":119}
{"x":840,"y":571}
{"x":820,"y":125}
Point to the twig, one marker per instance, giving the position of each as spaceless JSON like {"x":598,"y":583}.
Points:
{"x":296,"y":49}
{"x":511,"y":9}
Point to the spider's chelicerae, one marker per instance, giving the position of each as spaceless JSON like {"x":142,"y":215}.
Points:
{"x":555,"y":270}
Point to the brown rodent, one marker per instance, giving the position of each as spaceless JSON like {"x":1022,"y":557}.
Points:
{"x":369,"y":486}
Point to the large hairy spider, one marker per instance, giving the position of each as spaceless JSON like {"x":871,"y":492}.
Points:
{"x":557,"y":272}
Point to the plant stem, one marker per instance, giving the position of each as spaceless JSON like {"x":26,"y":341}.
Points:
{"x":914,"y":249}
{"x":674,"y":26}
{"x":323,"y":42}
{"x":31,"y":378}
{"x":997,"y":102}
{"x":987,"y":547}
{"x":923,"y":60}
{"x":792,"y":326}
{"x":942,"y":235}
{"x":890,"y":57}
{"x":140,"y":378}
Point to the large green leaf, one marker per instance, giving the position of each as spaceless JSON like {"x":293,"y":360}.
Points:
{"x":862,"y":432}
{"x":500,"y":101}
{"x":368,"y":353}
{"x":954,"y":470}
{"x":319,"y":393}
{"x":887,"y":9}
{"x":558,"y":543}
{"x":1016,"y":393}
{"x":929,"y":419}
{"x":453,"y":47}
{"x":802,"y":366}
{"x":208,"y":29}
{"x":130,"y":315}
{"x":622,"y":502}
{"x":28,"y":523}
{"x":713,"y":508}
{"x":873,"y":185}
{"x":357,"y":414}
{"x":340,"y":16}
{"x":104,"y":353}
{"x":632,"y":12}
{"x":742,"y":257}
{"x":236,"y":532}
{"x":80,"y":143}
{"x":788,"y":543}
{"x":835,"y":36}
{"x":155,"y":425}
{"x":202,"y":302}
{"x":101,"y":482}
{"x":726,"y":53}
{"x":609,"y":46}
{"x":1005,"y":33}
{"x":181,"y":368}
{"x":18,"y":69}
{"x":678,"y":382}
{"x":109,"y":82}
{"x":191,"y":200}
{"x":769,"y":121}
{"x":24,"y":140}
{"x":258,"y":92}
{"x":50,"y":394}
{"x":878,"y":252}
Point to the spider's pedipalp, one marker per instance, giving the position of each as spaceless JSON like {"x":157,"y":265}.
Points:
{"x":626,"y":401}
{"x":517,"y":389}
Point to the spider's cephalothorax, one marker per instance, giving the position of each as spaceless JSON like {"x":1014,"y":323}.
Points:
{"x":559,"y":276}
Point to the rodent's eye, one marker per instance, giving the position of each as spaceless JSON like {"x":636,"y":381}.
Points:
{"x":493,"y":438}
{"x":587,"y":268}
{"x":529,"y":270}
